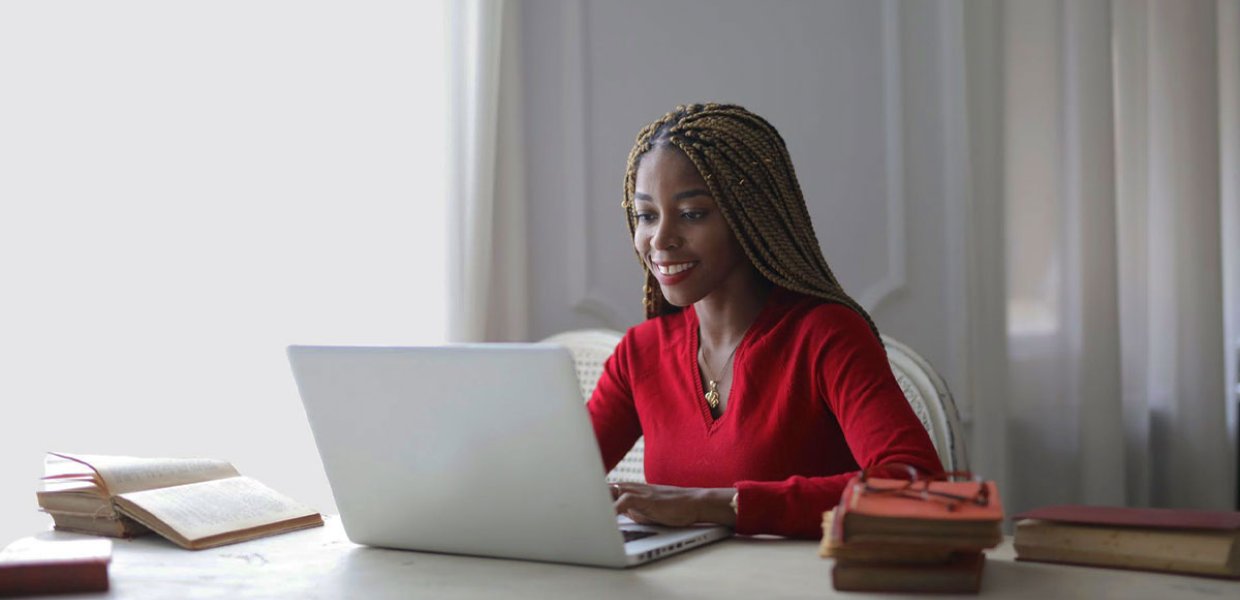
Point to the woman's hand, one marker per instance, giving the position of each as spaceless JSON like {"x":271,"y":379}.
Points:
{"x":673,"y":506}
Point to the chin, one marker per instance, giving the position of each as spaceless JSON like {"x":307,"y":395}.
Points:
{"x":677,"y":298}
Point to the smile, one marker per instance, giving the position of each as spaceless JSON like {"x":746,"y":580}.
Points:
{"x":676,"y":268}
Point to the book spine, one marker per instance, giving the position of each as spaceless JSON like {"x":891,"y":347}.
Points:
{"x":846,"y":578}
{"x":53,"y":578}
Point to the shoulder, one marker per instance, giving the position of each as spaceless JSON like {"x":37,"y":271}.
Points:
{"x":821,"y":320}
{"x":652,"y":337}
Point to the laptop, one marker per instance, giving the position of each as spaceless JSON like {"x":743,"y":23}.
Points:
{"x":482,"y":449}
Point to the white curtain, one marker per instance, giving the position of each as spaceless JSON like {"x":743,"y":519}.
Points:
{"x":1116,"y":171}
{"x":487,"y":262}
{"x":1229,"y":157}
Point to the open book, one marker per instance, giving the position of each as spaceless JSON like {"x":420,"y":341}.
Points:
{"x":195,"y":503}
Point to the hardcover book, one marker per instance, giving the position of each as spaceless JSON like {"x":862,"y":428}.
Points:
{"x":35,"y":566}
{"x":1192,"y":542}
{"x":946,"y":514}
{"x":895,"y":535}
{"x":961,"y":575}
{"x":832,"y":546}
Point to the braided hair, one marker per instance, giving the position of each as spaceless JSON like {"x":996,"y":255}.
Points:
{"x":746,"y":165}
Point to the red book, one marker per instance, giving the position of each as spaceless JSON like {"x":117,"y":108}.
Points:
{"x":961,"y":575}
{"x":958,"y":515}
{"x":1154,"y":518}
{"x":35,"y":566}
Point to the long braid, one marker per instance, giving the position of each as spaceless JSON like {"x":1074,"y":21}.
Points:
{"x":746,"y":165}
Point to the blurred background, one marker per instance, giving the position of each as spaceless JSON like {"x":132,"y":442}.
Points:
{"x":1042,"y":198}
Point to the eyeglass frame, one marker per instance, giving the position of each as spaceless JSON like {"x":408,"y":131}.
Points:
{"x":910,"y":490}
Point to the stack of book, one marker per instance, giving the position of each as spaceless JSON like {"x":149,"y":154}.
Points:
{"x":195,"y":503}
{"x":76,"y":502}
{"x":1191,"y":542}
{"x":892,"y":536}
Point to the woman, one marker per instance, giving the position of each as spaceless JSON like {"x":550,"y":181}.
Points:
{"x":759,"y":385}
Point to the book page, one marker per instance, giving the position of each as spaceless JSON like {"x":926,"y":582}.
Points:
{"x":68,"y":486}
{"x":208,"y":508}
{"x":81,"y":503}
{"x":57,"y":467}
{"x":62,"y":474}
{"x":123,"y":474}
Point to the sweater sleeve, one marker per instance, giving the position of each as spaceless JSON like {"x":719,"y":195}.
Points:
{"x":854,"y":378}
{"x":612,"y":410}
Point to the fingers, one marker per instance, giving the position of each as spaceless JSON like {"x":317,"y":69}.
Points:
{"x":618,"y":489}
{"x":641,"y":518}
{"x":630,"y":505}
{"x":653,"y":504}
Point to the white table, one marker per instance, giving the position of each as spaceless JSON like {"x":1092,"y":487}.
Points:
{"x":322,"y":563}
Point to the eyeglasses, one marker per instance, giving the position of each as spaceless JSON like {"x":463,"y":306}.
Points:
{"x":911,"y":484}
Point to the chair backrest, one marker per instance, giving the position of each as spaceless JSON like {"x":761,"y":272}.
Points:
{"x":927,"y":393}
{"x":925,"y":390}
{"x":590,"y":349}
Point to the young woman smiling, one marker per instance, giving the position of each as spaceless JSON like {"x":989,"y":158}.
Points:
{"x":759,"y":385}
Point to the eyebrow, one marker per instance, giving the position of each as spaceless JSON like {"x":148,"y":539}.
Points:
{"x":679,"y":196}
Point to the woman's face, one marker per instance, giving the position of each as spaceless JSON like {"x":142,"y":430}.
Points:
{"x":680,"y":232}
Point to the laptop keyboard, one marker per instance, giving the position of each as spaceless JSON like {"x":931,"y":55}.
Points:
{"x":636,"y":535}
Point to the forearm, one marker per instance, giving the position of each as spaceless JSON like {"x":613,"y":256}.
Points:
{"x":790,"y":508}
{"x":714,"y":505}
{"x":674,"y":506}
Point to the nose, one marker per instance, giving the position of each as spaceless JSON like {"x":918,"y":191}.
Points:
{"x":666,"y":235}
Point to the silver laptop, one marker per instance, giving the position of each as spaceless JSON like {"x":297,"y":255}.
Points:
{"x":473,"y":449}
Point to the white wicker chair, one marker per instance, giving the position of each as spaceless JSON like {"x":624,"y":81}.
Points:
{"x":590,"y":349}
{"x":927,"y":393}
{"x":925,"y":390}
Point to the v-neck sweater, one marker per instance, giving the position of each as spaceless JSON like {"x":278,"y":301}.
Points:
{"x":813,"y":401}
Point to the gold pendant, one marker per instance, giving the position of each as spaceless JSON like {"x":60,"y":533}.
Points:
{"x":712,"y":395}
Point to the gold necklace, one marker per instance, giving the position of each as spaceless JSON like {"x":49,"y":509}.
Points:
{"x":712,"y":384}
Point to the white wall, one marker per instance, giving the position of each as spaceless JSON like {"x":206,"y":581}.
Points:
{"x":868,"y":95}
{"x":185,"y":189}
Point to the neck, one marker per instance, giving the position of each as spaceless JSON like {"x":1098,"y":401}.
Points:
{"x":725,"y":315}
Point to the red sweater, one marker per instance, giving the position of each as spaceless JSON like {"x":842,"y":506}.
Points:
{"x":812,"y":400}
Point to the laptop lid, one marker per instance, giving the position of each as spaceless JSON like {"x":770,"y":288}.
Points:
{"x":473,"y":449}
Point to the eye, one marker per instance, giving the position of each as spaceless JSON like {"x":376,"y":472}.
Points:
{"x":644,"y":216}
{"x":693,"y":215}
